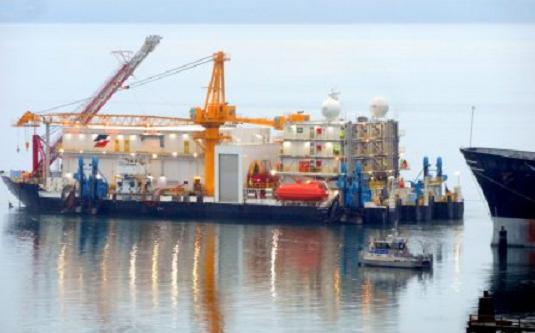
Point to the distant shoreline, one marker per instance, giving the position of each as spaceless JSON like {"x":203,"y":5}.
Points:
{"x":414,"y":23}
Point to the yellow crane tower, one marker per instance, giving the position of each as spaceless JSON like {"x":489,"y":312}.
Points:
{"x":217,"y":112}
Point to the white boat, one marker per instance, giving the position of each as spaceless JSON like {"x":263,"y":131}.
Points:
{"x":393,"y":252}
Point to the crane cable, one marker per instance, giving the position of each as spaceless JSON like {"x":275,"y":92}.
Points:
{"x":169,"y":72}
{"x":139,"y":83}
{"x":62,"y":105}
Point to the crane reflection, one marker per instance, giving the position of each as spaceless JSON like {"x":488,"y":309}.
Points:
{"x":201,"y":277}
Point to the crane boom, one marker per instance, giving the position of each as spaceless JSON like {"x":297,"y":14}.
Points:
{"x":106,"y":120}
{"x":117,"y":80}
{"x":94,"y":105}
{"x":277,"y":122}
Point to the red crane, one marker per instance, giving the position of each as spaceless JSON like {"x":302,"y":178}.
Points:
{"x":90,"y":109}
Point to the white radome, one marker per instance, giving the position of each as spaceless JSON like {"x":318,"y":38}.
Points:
{"x":331,"y":107}
{"x":378,"y":107}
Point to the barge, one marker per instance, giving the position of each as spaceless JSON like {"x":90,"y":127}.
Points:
{"x":217,"y":164}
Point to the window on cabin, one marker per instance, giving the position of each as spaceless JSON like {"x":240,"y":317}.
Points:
{"x":336,"y":149}
{"x":186,"y":147}
{"x":116,"y":146}
{"x":126,"y":145}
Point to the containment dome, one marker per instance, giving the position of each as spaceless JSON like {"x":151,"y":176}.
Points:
{"x":378,"y":107}
{"x":331,"y":106}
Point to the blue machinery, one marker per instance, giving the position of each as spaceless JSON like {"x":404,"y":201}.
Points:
{"x":356,"y":191}
{"x":92,"y":188}
{"x":418,"y":184}
{"x":426,"y":168}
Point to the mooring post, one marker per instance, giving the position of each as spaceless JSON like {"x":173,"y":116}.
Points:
{"x":502,"y":242}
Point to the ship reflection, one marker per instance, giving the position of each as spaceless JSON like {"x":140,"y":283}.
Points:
{"x":194,"y":276}
{"x":513,"y":281}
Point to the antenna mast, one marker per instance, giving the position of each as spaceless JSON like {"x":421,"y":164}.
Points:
{"x":471,"y":125}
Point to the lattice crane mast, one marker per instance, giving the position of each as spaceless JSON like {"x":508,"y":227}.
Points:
{"x":117,"y":80}
{"x":50,"y":152}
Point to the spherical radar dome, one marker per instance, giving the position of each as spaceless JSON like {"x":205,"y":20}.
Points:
{"x":331,"y":107}
{"x":378,"y":107}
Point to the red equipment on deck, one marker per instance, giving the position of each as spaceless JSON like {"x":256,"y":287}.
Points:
{"x":260,"y":176}
{"x":309,"y":191}
{"x":38,"y":153}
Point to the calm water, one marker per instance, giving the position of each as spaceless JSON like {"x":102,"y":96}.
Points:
{"x":71,"y":274}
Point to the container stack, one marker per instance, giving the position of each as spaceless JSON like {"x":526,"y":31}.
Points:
{"x":312,"y":148}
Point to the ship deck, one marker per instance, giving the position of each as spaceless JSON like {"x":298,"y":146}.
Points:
{"x":500,"y":152}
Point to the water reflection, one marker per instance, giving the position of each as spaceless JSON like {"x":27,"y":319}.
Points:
{"x":132,"y":273}
{"x":174,"y":277}
{"x":273,"y":261}
{"x":208,"y":277}
{"x":513,"y":281}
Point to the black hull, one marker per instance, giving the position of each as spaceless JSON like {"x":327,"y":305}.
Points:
{"x":29,"y":196}
{"x":507,"y":178}
{"x":435,"y":211}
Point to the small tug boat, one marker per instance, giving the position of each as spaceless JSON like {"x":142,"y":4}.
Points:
{"x":393,"y":252}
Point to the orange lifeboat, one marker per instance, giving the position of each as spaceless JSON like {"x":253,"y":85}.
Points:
{"x":309,"y":191}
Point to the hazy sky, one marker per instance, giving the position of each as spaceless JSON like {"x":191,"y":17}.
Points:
{"x":267,"y":11}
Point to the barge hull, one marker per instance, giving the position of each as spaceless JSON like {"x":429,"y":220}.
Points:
{"x":28,"y":194}
{"x":435,"y":211}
